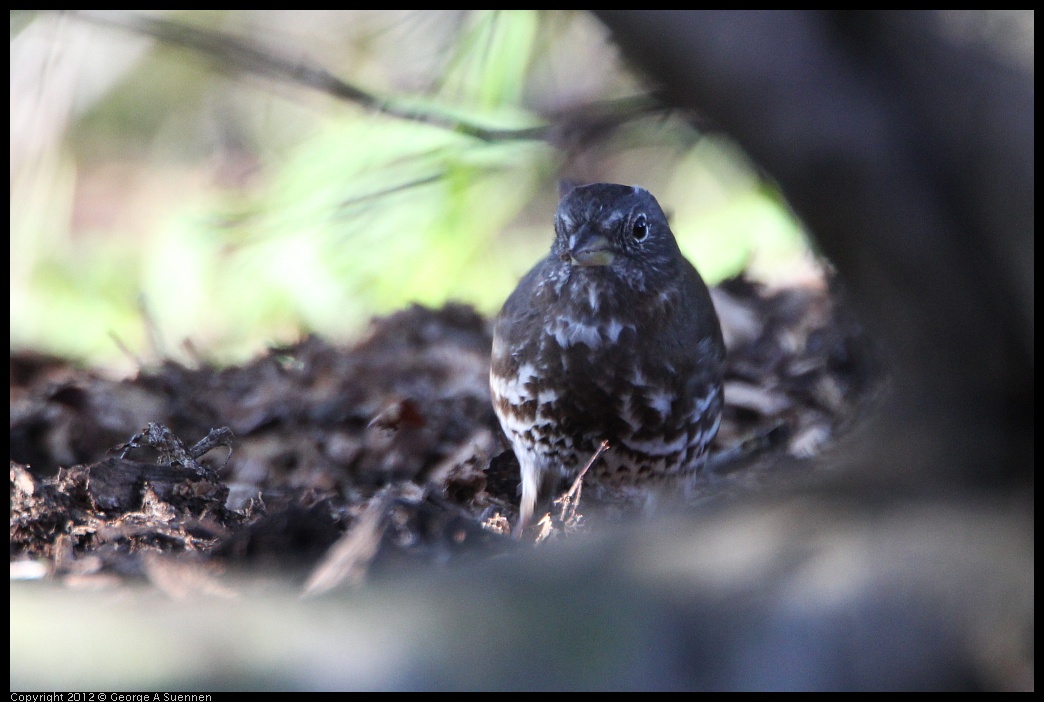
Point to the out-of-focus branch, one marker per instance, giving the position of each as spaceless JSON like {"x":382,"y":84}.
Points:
{"x":235,"y":55}
{"x":908,"y":150}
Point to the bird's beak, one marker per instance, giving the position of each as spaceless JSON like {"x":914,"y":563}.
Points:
{"x":591,"y":250}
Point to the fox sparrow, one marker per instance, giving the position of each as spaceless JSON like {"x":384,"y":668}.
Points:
{"x":611,"y":337}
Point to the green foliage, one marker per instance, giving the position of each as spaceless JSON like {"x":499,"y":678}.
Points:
{"x":341,"y":211}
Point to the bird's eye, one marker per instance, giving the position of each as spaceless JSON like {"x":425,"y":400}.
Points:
{"x":640,"y":228}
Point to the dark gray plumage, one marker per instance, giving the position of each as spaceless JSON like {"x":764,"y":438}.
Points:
{"x":612,"y":336}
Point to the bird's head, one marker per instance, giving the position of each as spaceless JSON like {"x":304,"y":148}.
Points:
{"x":618,"y":230}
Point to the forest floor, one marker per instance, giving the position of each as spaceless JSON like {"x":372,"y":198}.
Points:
{"x":326,"y":464}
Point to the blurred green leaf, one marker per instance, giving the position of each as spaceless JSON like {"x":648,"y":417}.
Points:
{"x":250,"y":212}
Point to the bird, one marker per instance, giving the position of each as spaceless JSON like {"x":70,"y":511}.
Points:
{"x":612,"y":337}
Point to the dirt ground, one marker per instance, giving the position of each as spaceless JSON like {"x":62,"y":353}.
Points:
{"x":326,"y":464}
